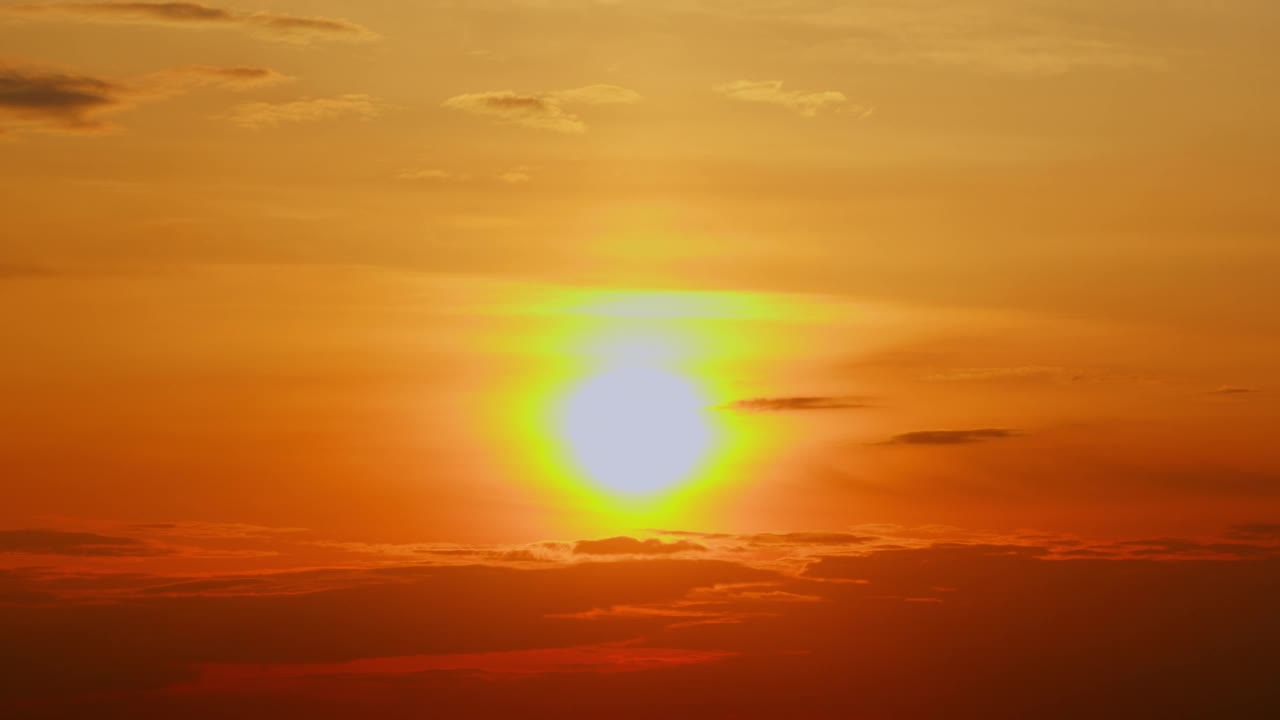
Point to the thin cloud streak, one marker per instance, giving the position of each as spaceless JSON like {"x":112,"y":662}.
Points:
{"x":541,"y":111}
{"x":286,"y":28}
{"x":950,"y":437}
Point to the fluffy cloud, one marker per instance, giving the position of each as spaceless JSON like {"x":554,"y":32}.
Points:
{"x":541,"y":111}
{"x":806,"y":103}
{"x":259,"y":115}
{"x":290,"y":28}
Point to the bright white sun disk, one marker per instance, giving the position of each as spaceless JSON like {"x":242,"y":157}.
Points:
{"x":636,"y":430}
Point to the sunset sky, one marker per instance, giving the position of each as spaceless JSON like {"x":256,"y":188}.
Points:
{"x":527,"y":358}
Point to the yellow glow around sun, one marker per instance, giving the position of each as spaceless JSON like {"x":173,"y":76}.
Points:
{"x":626,"y":416}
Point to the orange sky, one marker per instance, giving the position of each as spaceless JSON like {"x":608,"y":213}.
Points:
{"x":344,"y":289}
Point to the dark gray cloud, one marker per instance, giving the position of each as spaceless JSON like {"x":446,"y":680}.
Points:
{"x":58,"y":542}
{"x":291,"y":28}
{"x":624,"y":545}
{"x":950,"y":437}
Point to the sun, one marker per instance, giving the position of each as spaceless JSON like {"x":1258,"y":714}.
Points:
{"x":622,"y":418}
{"x":637,"y":430}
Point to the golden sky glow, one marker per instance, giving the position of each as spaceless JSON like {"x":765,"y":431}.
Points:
{"x":650,"y":334}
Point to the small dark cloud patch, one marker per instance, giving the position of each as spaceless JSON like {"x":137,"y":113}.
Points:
{"x":56,"y":101}
{"x":797,"y":403}
{"x":950,"y":437}
{"x":53,"y":101}
{"x":1255,"y":531}
{"x":57,"y":542}
{"x":624,"y":545}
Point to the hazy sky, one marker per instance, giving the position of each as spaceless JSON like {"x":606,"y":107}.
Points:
{"x":308,"y":284}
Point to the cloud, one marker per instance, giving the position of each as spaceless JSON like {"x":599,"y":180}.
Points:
{"x":260,"y":115}
{"x":191,"y":529}
{"x":288,"y":28}
{"x":1255,"y":531}
{"x":597,"y":95}
{"x":624,"y":545}
{"x":806,"y":103}
{"x":541,"y":111}
{"x":1024,"y":372}
{"x":238,"y":78}
{"x":806,"y":538}
{"x":1232,"y":390}
{"x":34,"y":99}
{"x":798,"y":403}
{"x":18,"y":271}
{"x":517,"y":175}
{"x":603,"y":658}
{"x":993,"y":36}
{"x":950,"y":437}
{"x":57,"y":542}
{"x":847,"y":636}
{"x":429,"y":174}
{"x":57,"y":102}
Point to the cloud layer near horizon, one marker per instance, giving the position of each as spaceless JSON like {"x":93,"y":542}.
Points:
{"x":757,"y":625}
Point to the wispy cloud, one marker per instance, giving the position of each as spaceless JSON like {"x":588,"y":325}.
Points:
{"x":260,"y":115}
{"x":288,"y":28}
{"x":805,"y":102}
{"x":518,"y":175}
{"x":541,"y":111}
{"x":990,"y":36}
{"x":1232,"y":390}
{"x":950,"y":437}
{"x":58,"y":542}
{"x":429,"y":175}
{"x":242,"y":77}
{"x":44,"y":100}
{"x":1255,"y":531}
{"x":797,"y":403}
